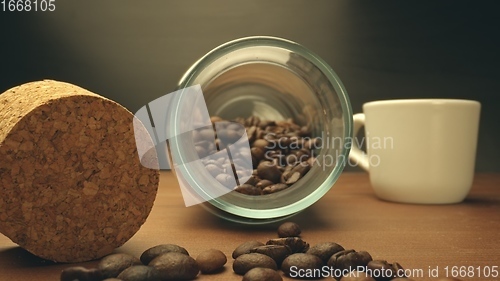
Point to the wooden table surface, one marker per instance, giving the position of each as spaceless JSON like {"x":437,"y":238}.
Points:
{"x":419,"y":237}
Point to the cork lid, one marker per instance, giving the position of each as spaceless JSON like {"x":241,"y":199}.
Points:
{"x":72,"y":186}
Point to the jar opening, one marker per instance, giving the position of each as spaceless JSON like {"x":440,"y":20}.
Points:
{"x":274,"y":79}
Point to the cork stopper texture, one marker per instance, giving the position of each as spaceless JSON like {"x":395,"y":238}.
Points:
{"x":72,"y":187}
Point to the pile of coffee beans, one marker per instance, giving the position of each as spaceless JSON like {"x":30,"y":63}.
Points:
{"x":159,"y":263}
{"x":281,"y":152}
{"x":254,"y":260}
{"x":258,"y":261}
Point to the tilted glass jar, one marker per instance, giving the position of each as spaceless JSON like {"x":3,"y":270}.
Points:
{"x":274,"y":79}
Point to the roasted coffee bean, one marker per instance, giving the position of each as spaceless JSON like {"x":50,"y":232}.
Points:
{"x":349,"y":260}
{"x":248,"y":189}
{"x":257,"y":154}
{"x":284,"y":142}
{"x":277,"y":252}
{"x":81,"y":274}
{"x":262,"y":274}
{"x":274,"y":188}
{"x":261,"y":143}
{"x":302,"y":168}
{"x":296,"y":244}
{"x":226,"y":180}
{"x":288,"y":229}
{"x":245,"y":248}
{"x":140,"y":273}
{"x":211,"y":261}
{"x":253,"y":180}
{"x":447,"y":279}
{"x":175,"y":266}
{"x":293,"y":178}
{"x":268,"y":171}
{"x":325,"y":250}
{"x":286,"y":173}
{"x":356,"y":276}
{"x":302,"y":262}
{"x":213,"y":169}
{"x":400,"y":272}
{"x":110,"y":279}
{"x":151,"y":253}
{"x":292,"y":157}
{"x":206,"y":134}
{"x":245,"y":262}
{"x":243,"y":158}
{"x":264,"y":183}
{"x":203,"y":143}
{"x":252,"y":133}
{"x":112,"y":265}
{"x":408,"y":279}
{"x":229,"y":135}
{"x":381,"y":270}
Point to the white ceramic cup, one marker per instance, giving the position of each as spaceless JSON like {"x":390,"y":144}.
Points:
{"x":418,"y":151}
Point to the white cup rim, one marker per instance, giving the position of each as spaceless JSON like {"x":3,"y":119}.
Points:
{"x":431,"y":101}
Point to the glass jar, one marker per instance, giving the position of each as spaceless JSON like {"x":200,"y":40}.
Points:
{"x":273,"y":79}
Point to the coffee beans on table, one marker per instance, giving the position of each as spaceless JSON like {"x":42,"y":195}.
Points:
{"x":288,"y":229}
{"x":349,"y":260}
{"x":245,"y":248}
{"x":151,"y":253}
{"x":245,"y":262}
{"x":296,"y":244}
{"x":325,"y":250}
{"x":140,"y":273}
{"x":252,"y":259}
{"x":175,"y":266}
{"x":301,"y":262}
{"x":277,"y":252}
{"x":211,"y":261}
{"x":281,"y":153}
{"x":112,"y":265}
{"x":261,"y":274}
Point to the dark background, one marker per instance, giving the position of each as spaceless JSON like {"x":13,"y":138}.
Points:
{"x":135,"y":51}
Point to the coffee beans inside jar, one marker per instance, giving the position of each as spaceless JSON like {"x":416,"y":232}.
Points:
{"x":281,"y":153}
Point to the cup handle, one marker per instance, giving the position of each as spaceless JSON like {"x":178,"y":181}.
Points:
{"x":356,"y":153}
